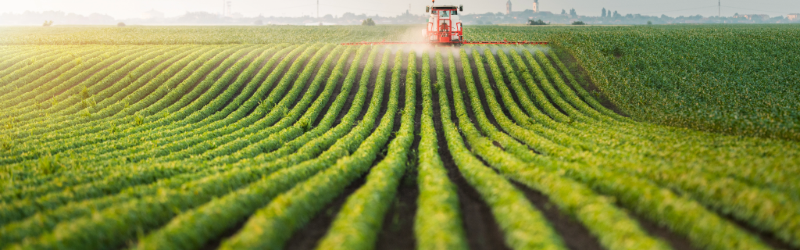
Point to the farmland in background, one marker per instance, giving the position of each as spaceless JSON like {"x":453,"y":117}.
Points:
{"x":254,"y":138}
{"x":734,"y":79}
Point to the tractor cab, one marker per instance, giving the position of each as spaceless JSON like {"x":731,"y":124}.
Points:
{"x":444,"y":25}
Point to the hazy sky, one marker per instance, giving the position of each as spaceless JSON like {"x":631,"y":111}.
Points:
{"x":133,"y":8}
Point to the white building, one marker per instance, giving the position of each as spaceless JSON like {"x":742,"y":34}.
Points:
{"x":756,"y":16}
{"x":793,"y":16}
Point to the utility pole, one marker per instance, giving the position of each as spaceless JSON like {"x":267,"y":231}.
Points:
{"x":719,"y":8}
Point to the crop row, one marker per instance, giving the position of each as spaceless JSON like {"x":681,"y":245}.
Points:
{"x":245,"y":145}
{"x":272,"y":226}
{"x":73,"y":128}
{"x":76,"y":210}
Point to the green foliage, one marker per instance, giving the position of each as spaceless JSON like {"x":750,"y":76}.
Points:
{"x":138,"y":120}
{"x":615,"y":51}
{"x":48,"y":164}
{"x":536,"y":22}
{"x":5,"y":145}
{"x":368,"y":22}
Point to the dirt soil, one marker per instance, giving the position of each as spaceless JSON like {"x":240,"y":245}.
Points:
{"x":574,"y":234}
{"x":481,"y":229}
{"x":398,"y":223}
{"x":767,"y":238}
{"x":675,"y":240}
{"x":308,"y":236}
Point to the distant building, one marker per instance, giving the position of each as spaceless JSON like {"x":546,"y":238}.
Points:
{"x":508,"y":7}
{"x":793,"y":16}
{"x":756,"y":16}
{"x":535,"y":6}
{"x":152,"y":14}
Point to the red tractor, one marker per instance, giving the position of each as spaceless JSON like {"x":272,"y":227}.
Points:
{"x":444,"y":28}
{"x":444,"y":25}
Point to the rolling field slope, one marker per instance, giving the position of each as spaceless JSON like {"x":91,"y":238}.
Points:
{"x":732,"y":79}
{"x":290,"y":145}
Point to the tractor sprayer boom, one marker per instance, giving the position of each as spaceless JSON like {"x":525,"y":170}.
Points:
{"x":445,"y":28}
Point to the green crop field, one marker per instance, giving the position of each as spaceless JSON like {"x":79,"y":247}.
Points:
{"x":277,"y":137}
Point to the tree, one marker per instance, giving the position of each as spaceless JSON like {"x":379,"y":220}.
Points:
{"x":573,"y":13}
{"x":563,"y":12}
{"x":604,"y":13}
{"x":578,"y":23}
{"x":649,"y":22}
{"x":120,"y":24}
{"x":47,"y":23}
{"x":368,"y":22}
{"x":616,"y":14}
{"x":348,"y":15}
{"x":537,"y":22}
